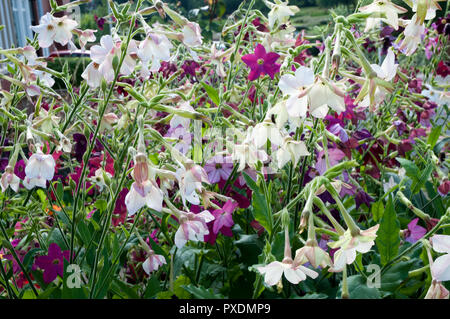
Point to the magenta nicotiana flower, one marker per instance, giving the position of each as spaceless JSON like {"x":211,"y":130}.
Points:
{"x":414,"y":231}
{"x":218,"y":168}
{"x":53,"y":263}
{"x":261,"y":63}
{"x":223,"y":217}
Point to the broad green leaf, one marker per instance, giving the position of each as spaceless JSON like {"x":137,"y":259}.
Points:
{"x":388,"y":235}
{"x":377,"y":210}
{"x":358,"y":288}
{"x":434,"y":135}
{"x":202,"y":293}
{"x":410,"y":167}
{"x":394,"y":276}
{"x":260,"y":209}
{"x":424,"y":175}
{"x":212,"y":93}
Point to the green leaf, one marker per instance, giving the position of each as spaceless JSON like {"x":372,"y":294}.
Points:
{"x":434,"y":135}
{"x":202,"y":293}
{"x":101,"y":204}
{"x":394,"y":276}
{"x":377,"y":210}
{"x":388,"y":235}
{"x":153,"y":287}
{"x":418,"y":184}
{"x":358,"y":289}
{"x":410,"y":167}
{"x":212,"y":93}
{"x":260,"y":209}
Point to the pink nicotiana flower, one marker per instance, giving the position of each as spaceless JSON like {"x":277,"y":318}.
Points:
{"x":153,"y":262}
{"x":40,"y":169}
{"x":143,"y":192}
{"x":261,"y":63}
{"x":192,"y":227}
{"x":9,"y":179}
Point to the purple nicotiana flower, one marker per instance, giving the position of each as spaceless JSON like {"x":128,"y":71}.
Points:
{"x":53,"y":263}
{"x":334,"y":156}
{"x":184,"y":138}
{"x":261,"y":63}
{"x":218,"y":168}
{"x":338,"y":130}
{"x":414,"y":231}
{"x":363,"y":198}
{"x":401,"y":126}
{"x":80,"y":146}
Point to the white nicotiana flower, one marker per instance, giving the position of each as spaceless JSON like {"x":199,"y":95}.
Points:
{"x":155,"y":48}
{"x":102,"y":57}
{"x":280,"y":11}
{"x":39,"y":169}
{"x":51,"y":29}
{"x":291,"y":150}
{"x":294,"y":86}
{"x":190,"y":180}
{"x":349,"y":244}
{"x":191,"y":34}
{"x":303,"y":91}
{"x":441,"y":266}
{"x":153,"y":262}
{"x":99,"y":178}
{"x":387,"y":72}
{"x":264,"y":131}
{"x":413,"y":35}
{"x":294,"y":274}
{"x":380,"y":8}
{"x":426,"y":8}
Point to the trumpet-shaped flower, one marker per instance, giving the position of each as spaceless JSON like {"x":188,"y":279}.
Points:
{"x":247,"y":154}
{"x":441,"y":266}
{"x":40,"y":168}
{"x":51,"y":29}
{"x":155,"y":48}
{"x":192,"y":34}
{"x":312,"y":253}
{"x":9,"y":179}
{"x":294,"y":274}
{"x":413,"y":36}
{"x":192,"y":227}
{"x":102,"y":60}
{"x":153,"y":262}
{"x":144,"y":194}
{"x":291,"y":150}
{"x":280,"y":11}
{"x":294,"y":86}
{"x":349,"y":244}
{"x":261,"y":63}
{"x":190,"y":179}
{"x":380,"y":8}
{"x":264,"y":131}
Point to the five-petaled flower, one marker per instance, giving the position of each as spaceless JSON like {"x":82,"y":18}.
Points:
{"x":261,"y":63}
{"x":53,"y":263}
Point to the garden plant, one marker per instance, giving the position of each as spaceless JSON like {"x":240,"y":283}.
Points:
{"x":260,"y":162}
